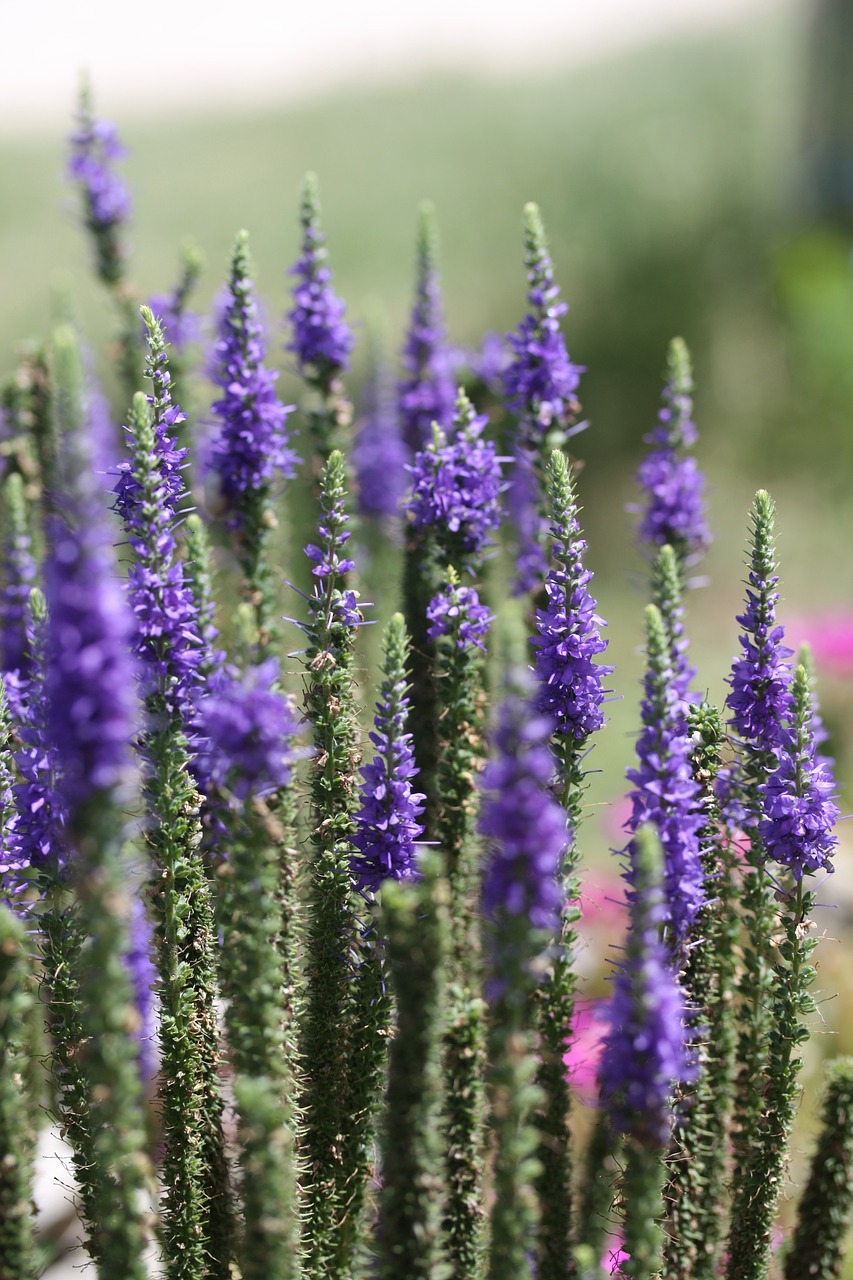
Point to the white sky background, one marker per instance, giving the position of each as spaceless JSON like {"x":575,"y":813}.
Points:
{"x":151,"y":57}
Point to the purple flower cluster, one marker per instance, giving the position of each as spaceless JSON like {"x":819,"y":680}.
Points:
{"x":665,"y":794}
{"x":252,"y":446}
{"x":249,"y":726}
{"x":328,"y":562}
{"x":489,"y":364}
{"x":379,"y":455}
{"x":759,"y":697}
{"x":322,"y":341}
{"x":571,"y":687}
{"x":645,"y":1053}
{"x":456,"y":485}
{"x":387,"y":826}
{"x":148,"y":492}
{"x":526,"y":828}
{"x":674,"y":512}
{"x":41,"y":811}
{"x":799,"y":810}
{"x":428,"y":393}
{"x":95,"y":147}
{"x":540,"y":382}
{"x":456,"y":611}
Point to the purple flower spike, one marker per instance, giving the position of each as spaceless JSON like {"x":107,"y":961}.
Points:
{"x":252,"y":447}
{"x":665,"y":794}
{"x":456,"y":485}
{"x":526,"y":828}
{"x":428,"y":392}
{"x":645,"y":1054}
{"x":249,"y":727}
{"x":379,"y":454}
{"x":799,"y":806}
{"x":322,"y":341}
{"x":674,"y":512}
{"x":760,"y":698}
{"x":91,"y":710}
{"x":571,"y":689}
{"x":149,"y":492}
{"x":95,"y":147}
{"x":456,"y":612}
{"x":387,"y":826}
{"x":540,"y":382}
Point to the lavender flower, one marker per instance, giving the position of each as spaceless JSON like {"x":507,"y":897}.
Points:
{"x":90,"y":678}
{"x":252,"y":446}
{"x":387,"y":826}
{"x":456,"y":612}
{"x":674,"y":513}
{"x":665,"y":794}
{"x":799,"y":808}
{"x":428,"y":392}
{"x":379,"y":454}
{"x":645,"y":1052}
{"x":322,"y":341}
{"x":456,"y":486}
{"x":249,"y":725}
{"x":571,"y":688}
{"x":541,"y":381}
{"x":19,"y":575}
{"x":106,"y":201}
{"x":526,"y":828}
{"x":759,"y":699}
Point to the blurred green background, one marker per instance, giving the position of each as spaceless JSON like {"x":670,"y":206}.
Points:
{"x":686,"y":189}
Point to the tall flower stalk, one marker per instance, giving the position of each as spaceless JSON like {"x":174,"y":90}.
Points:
{"x":166,"y":641}
{"x":570,"y":691}
{"x":88,"y":724}
{"x":673,"y":513}
{"x":251,"y":453}
{"x":330,"y":978}
{"x":427,"y":394}
{"x":540,"y":385}
{"x":759,"y":705}
{"x":527,"y":831}
{"x":322,"y":340}
{"x":796,"y":833}
{"x":644,"y":1058}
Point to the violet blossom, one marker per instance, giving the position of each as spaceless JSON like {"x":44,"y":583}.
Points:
{"x":322,"y":341}
{"x":456,"y":612}
{"x":252,"y":447}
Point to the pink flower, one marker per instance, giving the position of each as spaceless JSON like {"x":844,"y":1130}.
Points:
{"x":830,"y":635}
{"x":588,"y":1030}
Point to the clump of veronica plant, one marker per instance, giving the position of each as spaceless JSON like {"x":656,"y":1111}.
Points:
{"x":322,"y":340}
